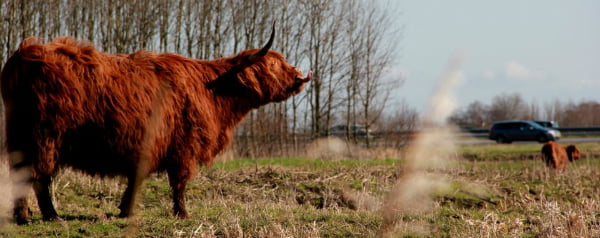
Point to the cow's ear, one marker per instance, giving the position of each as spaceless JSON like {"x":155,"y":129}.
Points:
{"x":258,"y":55}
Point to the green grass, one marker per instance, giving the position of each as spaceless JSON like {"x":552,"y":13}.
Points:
{"x":496,"y":191}
{"x":528,"y":151}
{"x":302,"y":163}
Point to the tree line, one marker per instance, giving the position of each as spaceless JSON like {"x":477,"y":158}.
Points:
{"x":345,"y":43}
{"x":514,"y":107}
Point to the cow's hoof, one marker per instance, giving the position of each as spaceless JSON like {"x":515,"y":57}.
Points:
{"x":22,"y":216}
{"x":23,"y":220}
{"x":53,"y":218}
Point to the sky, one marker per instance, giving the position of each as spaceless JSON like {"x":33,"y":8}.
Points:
{"x":545,"y":50}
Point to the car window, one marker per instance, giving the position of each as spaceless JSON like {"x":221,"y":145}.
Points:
{"x":537,"y":126}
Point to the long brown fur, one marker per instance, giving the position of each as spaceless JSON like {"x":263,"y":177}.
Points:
{"x":557,"y":157}
{"x":68,"y":104}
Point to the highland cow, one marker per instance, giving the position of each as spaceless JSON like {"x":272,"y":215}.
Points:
{"x":69,"y":105}
{"x":558,"y":157}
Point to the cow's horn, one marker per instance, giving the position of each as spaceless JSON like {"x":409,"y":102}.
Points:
{"x":265,"y":49}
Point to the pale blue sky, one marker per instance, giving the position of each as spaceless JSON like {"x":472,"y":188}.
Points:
{"x":542,"y":49}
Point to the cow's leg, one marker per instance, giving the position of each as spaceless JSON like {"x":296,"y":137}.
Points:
{"x":45,"y":166}
{"x":126,"y":205}
{"x":21,"y":211}
{"x":20,"y":174}
{"x":129,"y":196}
{"x":134,"y":183}
{"x":178,"y":178}
{"x":42,"y":192}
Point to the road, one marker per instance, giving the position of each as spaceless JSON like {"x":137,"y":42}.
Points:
{"x":568,"y":140}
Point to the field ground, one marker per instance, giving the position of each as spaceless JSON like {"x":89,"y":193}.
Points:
{"x":492,"y":191}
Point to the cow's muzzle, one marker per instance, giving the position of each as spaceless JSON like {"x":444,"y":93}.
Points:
{"x":306,"y":79}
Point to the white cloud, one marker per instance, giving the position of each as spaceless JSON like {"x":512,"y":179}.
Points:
{"x":516,"y":70}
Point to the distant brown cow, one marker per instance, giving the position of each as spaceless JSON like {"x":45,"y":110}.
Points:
{"x":558,"y":157}
{"x":68,"y":105}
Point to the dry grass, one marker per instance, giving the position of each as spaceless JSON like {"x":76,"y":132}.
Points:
{"x":295,"y":197}
{"x":336,"y":148}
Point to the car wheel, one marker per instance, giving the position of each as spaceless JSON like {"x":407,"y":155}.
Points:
{"x":543,"y":138}
{"x":502,"y":140}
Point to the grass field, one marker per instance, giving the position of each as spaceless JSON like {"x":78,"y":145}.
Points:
{"x":492,"y":191}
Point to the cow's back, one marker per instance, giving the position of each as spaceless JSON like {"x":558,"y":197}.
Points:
{"x":554,"y":155}
{"x":96,"y":106}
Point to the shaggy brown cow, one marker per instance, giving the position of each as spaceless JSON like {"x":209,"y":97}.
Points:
{"x":558,"y":157}
{"x":68,"y":105}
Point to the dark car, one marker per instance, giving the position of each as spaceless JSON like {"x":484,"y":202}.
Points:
{"x":358,"y":131}
{"x":509,"y":131}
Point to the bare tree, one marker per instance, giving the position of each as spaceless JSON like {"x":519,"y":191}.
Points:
{"x":316,"y":15}
{"x":355,"y":42}
{"x":189,"y":10}
{"x":532,"y":112}
{"x":55,"y":12}
{"x":586,"y":113}
{"x":508,"y":107}
{"x":476,"y":115}
{"x":11,"y":24}
{"x":333,"y":62}
{"x":291,"y":40}
{"x":398,"y":125}
{"x":553,"y":110}
{"x":378,"y":57}
{"x":26,"y":15}
{"x":73,"y":17}
{"x":145,"y":23}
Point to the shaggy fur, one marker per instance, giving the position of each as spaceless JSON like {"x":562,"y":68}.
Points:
{"x":128,"y":115}
{"x":558,"y":157}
